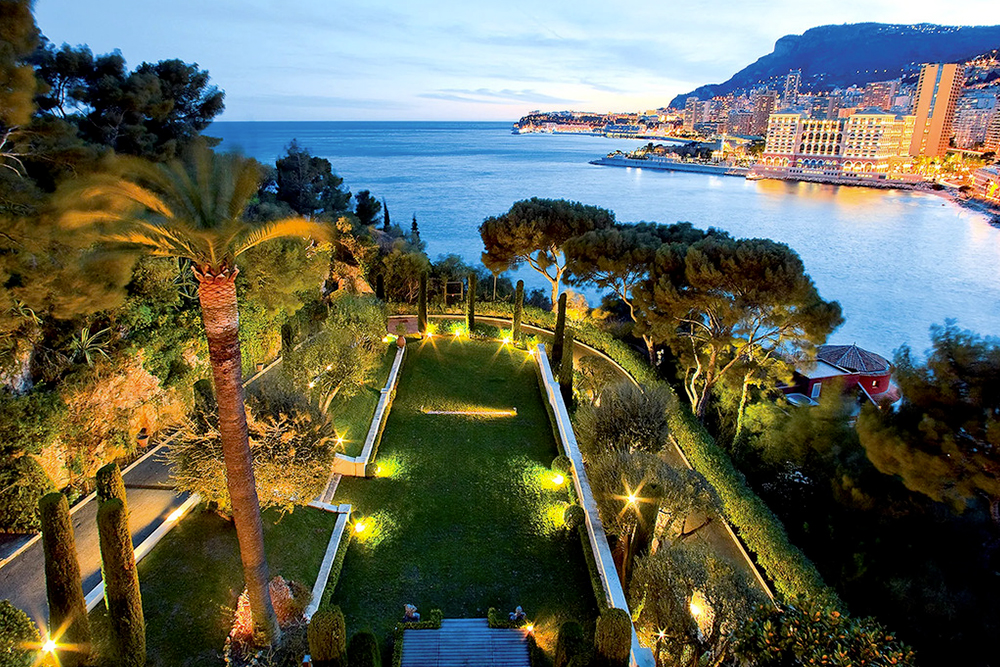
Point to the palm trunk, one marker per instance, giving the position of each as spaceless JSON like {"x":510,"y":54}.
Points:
{"x":217,"y":294}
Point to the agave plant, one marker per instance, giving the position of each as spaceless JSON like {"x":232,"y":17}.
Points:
{"x":87,"y":346}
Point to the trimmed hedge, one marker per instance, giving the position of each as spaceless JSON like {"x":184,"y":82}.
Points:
{"x":338,"y":565}
{"x":363,"y":651}
{"x":573,"y":517}
{"x":121,"y":583}
{"x":500,"y":620}
{"x":433,"y":622}
{"x":569,"y":643}
{"x":613,"y":639}
{"x":327,"y":638}
{"x":16,"y":630}
{"x":791,"y":572}
{"x":110,"y":483}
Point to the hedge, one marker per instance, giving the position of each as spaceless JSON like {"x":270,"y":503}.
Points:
{"x":338,"y":565}
{"x":17,"y":630}
{"x":791,"y":572}
{"x":613,"y":639}
{"x":23,"y":482}
{"x":363,"y":651}
{"x":327,"y":638}
{"x":433,"y":622}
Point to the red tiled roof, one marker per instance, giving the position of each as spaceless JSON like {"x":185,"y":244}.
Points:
{"x":853,"y":358}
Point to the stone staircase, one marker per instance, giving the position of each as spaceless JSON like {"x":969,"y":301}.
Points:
{"x":465,"y":642}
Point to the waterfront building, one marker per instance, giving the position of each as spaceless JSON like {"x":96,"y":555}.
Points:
{"x":850,"y":367}
{"x":973,"y":114}
{"x":792,"y":82}
{"x":986,"y":184}
{"x":938,"y":90}
{"x":694,"y":112}
{"x":867,"y":144}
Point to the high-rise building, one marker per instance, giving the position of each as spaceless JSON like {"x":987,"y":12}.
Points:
{"x":764,"y":104}
{"x":972,"y":117}
{"x":937,"y":93}
{"x":992,"y":142}
{"x":880,"y":94}
{"x":694,"y":111}
{"x":792,"y":81}
{"x":740,"y":122}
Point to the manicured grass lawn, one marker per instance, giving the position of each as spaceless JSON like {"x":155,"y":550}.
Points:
{"x":191,"y":580}
{"x":352,"y":415}
{"x":467,"y":517}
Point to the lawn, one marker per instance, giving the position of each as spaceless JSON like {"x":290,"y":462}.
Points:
{"x":191,"y":580}
{"x":466,"y":516}
{"x":352,"y":415}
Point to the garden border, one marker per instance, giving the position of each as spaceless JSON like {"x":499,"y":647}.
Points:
{"x":354,"y":466}
{"x":615,"y":594}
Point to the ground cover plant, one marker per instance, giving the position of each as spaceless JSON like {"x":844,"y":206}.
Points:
{"x":191,"y":581}
{"x":464,"y":515}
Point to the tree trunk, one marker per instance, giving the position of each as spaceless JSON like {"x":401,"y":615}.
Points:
{"x":217,"y":294}
{"x":650,"y":350}
{"x":743,"y":407}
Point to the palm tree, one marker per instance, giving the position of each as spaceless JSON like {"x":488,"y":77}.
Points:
{"x":193,"y":209}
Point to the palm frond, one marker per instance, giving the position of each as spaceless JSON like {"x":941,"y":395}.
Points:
{"x":286,"y":228}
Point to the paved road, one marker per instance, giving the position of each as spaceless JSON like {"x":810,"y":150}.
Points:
{"x":22,"y":579}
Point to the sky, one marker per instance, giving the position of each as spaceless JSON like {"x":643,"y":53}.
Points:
{"x":460,"y":59}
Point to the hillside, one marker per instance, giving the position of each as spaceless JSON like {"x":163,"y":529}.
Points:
{"x":841,"y":55}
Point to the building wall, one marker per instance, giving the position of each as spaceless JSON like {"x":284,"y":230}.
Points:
{"x":938,"y":90}
{"x":986,"y":184}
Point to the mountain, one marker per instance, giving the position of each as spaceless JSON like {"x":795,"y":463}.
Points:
{"x":832,"y":56}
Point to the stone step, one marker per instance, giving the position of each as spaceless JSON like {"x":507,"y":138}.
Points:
{"x":465,"y":642}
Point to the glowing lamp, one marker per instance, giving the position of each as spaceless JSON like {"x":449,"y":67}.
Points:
{"x":175,"y":515}
{"x":359,"y":527}
{"x":632,"y":498}
{"x":430,"y":334}
{"x":506,"y":340}
{"x":530,"y":628}
{"x":340,"y":440}
{"x":312,"y":384}
{"x":696,"y":609}
{"x":558,"y":479}
{"x":49,"y":646}
{"x":531,"y":352}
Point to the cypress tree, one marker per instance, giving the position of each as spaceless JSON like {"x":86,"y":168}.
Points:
{"x":560,"y":332}
{"x":287,"y":339}
{"x":613,"y":639}
{"x":110,"y":483}
{"x":67,"y":608}
{"x":566,"y":368}
{"x":121,"y":585}
{"x":363,"y":651}
{"x":386,"y":225}
{"x":518,"y":311}
{"x":422,"y":305}
{"x":380,"y":287}
{"x":569,"y":643}
{"x":472,"y":303}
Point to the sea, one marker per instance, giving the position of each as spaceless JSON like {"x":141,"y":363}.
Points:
{"x":898,"y":262}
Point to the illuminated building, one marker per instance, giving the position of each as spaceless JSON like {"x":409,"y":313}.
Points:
{"x":880,"y":94}
{"x":992,"y":142}
{"x":986,"y":184}
{"x":973,"y":114}
{"x":764,"y":105}
{"x":937,"y":93}
{"x":792,"y":81}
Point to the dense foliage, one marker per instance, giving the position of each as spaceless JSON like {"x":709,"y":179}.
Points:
{"x":18,"y":637}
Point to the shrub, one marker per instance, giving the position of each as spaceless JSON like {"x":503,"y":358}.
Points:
{"x":327,"y":641}
{"x":363,"y":651}
{"x":613,"y":639}
{"x":562,"y":465}
{"x":30,"y":422}
{"x":22,"y":483}
{"x":629,"y":418}
{"x":573,"y":517}
{"x":16,"y":631}
{"x":371,"y":469}
{"x":569,"y":643}
{"x":67,"y":608}
{"x":121,"y":584}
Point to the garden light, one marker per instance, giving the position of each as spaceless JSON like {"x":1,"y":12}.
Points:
{"x":360,"y":527}
{"x":506,"y":340}
{"x":632,"y":499}
{"x":49,"y":646}
{"x":176,"y":514}
{"x":558,"y":479}
{"x":696,"y":609}
{"x":530,"y":628}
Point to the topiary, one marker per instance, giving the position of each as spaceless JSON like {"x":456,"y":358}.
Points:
{"x":569,"y":643}
{"x":17,"y":631}
{"x":327,"y":638}
{"x":363,"y":651}
{"x":22,"y":484}
{"x":518,"y":311}
{"x":562,"y":465}
{"x":110,"y":483}
{"x":121,"y":584}
{"x":67,"y":608}
{"x":371,"y":469}
{"x":613,"y":639}
{"x":574,"y":517}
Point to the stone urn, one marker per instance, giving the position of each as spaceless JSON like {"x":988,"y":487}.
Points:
{"x":142,"y":437}
{"x":400,"y":341}
{"x":260,"y":367}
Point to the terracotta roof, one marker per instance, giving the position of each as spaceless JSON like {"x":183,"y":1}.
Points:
{"x":853,"y":358}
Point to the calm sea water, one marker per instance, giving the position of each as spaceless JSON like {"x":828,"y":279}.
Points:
{"x":898,"y":262}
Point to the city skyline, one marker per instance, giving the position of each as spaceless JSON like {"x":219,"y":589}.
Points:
{"x":449,"y":61}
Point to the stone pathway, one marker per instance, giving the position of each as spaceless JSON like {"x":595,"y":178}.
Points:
{"x":465,"y":642}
